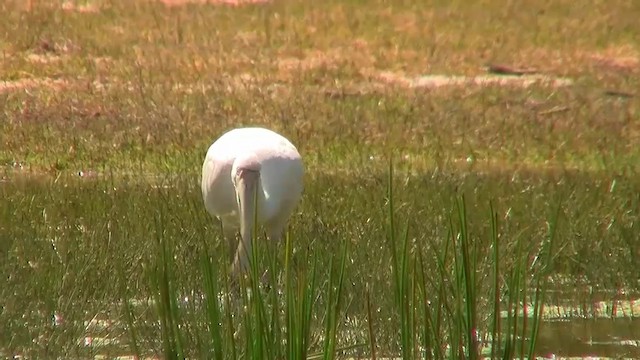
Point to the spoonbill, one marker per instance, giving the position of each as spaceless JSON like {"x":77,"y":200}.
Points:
{"x":244,"y":162}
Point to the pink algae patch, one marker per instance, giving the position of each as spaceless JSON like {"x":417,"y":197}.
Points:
{"x":437,"y":80}
{"x":172,"y":3}
{"x":87,"y":8}
{"x":43,"y":58}
{"x":312,"y":60}
{"x":618,"y":57}
{"x":56,"y":84}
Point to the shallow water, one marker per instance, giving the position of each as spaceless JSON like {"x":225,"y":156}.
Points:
{"x":577,"y":337}
{"x":66,"y":242}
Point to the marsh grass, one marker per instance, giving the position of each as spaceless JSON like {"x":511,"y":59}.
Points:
{"x":147,"y":260}
{"x":124,"y":260}
{"x":439,"y":315}
{"x":261,"y":322}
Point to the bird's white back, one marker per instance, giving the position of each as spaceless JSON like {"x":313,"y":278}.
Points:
{"x":281,"y":173}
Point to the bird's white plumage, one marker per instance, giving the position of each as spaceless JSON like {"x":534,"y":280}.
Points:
{"x":280,"y":178}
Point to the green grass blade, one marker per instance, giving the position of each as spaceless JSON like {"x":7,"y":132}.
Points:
{"x":370,"y":325}
{"x":541,"y":279}
{"x":166,"y":297}
{"x":213,"y":313}
{"x":128,"y":311}
{"x":496,"y":334}
{"x":468,"y":273}
{"x":333,"y":306}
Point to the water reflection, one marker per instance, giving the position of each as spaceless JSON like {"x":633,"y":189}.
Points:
{"x":600,"y":337}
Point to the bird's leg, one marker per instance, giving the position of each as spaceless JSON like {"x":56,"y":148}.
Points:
{"x":265,"y":279}
{"x":230,"y":235}
{"x":274,"y":237}
{"x":241,"y":259}
{"x":229,"y":230}
{"x":239,"y":268}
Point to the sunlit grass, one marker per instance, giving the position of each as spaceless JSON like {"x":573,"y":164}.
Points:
{"x":104,"y":250}
{"x":502,"y":199}
{"x":147,"y":88}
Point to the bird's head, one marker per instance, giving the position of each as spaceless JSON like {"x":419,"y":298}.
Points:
{"x":245,"y":166}
{"x":245,"y":174}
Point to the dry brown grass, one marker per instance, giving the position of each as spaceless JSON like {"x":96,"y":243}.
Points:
{"x":22,"y":84}
{"x":330,"y":72}
{"x":81,"y":8}
{"x":172,"y":3}
{"x":624,"y":57}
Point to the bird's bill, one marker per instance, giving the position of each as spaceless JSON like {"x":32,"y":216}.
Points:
{"x":246,"y":191}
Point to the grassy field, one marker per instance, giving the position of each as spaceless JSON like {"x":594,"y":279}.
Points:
{"x":144,"y":87}
{"x":108,"y":108}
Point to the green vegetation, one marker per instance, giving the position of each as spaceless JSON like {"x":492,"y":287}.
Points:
{"x":100,"y":250}
{"x":502,"y":199}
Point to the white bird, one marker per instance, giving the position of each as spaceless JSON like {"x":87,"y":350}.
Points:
{"x":244,"y":162}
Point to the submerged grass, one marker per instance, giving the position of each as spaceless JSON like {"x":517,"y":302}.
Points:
{"x":276,"y":320}
{"x":124,"y":260}
{"x":439,"y":316}
{"x":171,"y":294}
